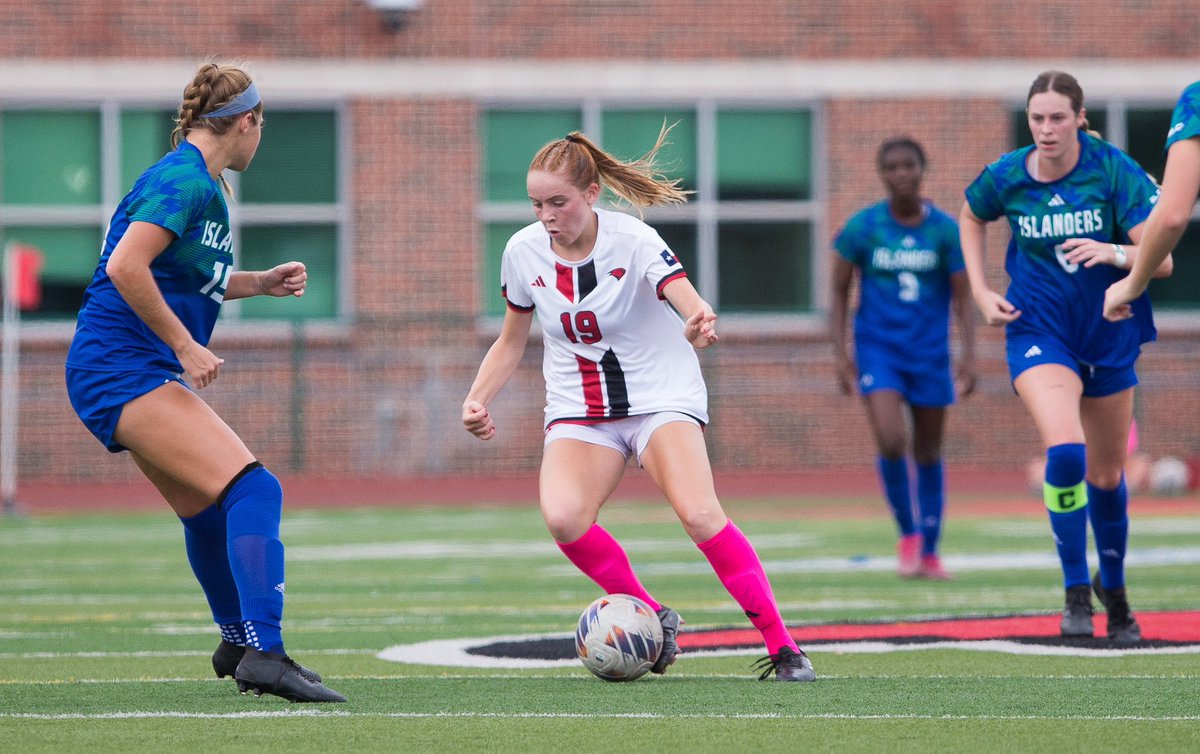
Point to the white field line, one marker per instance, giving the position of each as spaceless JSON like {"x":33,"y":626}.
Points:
{"x":433,"y":549}
{"x":153,"y":653}
{"x":583,"y":677}
{"x":1002,"y":561}
{"x":453,"y":652}
{"x":308,"y":712}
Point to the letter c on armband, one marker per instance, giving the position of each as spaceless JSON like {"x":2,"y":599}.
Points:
{"x":1065,"y":499}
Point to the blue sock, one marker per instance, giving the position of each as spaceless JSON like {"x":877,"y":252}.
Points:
{"x":894,"y":476}
{"x":931,"y":500}
{"x":208,"y":552}
{"x":1065,"y":496}
{"x":254,"y":504}
{"x":1109,"y":511}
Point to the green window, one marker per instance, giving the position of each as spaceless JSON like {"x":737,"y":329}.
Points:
{"x":762,"y":266}
{"x":496,"y":235}
{"x":629,"y":134}
{"x":1147,"y":134}
{"x":764,"y":154}
{"x":264,"y":246}
{"x":746,"y":235}
{"x":67,"y":252}
{"x":145,"y":137}
{"x":50,"y":157}
{"x":64,"y":171}
{"x":510,"y":140}
{"x":296,"y":161}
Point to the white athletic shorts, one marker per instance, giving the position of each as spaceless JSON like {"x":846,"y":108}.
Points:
{"x":627,"y":436}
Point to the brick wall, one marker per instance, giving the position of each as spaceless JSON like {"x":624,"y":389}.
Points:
{"x":382,"y":395}
{"x":586,"y":29}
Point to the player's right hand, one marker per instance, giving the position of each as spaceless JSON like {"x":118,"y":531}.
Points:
{"x":199,"y":364}
{"x":477,"y":420}
{"x":996,"y":309}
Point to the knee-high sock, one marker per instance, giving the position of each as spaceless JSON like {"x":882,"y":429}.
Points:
{"x":1109,"y":511}
{"x":207,"y":546}
{"x":254,"y":504}
{"x":1065,"y":496}
{"x":603,"y":560}
{"x":931,"y":501}
{"x":894,"y":477}
{"x":739,"y":569}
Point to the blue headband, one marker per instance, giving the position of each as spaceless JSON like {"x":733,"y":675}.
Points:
{"x":242,"y":103}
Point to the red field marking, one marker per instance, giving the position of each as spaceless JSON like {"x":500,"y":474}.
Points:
{"x":973,"y":492}
{"x":1181,"y":626}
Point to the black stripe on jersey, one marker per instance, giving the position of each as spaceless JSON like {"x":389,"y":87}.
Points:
{"x":663,"y":283}
{"x":614,"y":381}
{"x":587,"y":281}
{"x":511,"y":305}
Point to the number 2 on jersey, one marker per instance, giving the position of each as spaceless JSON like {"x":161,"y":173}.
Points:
{"x":583,"y":328}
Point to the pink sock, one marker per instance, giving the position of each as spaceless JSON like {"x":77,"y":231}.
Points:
{"x":739,"y":569}
{"x":604,"y":561}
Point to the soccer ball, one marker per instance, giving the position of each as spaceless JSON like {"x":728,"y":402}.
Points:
{"x":1169,"y":476}
{"x":618,"y":637}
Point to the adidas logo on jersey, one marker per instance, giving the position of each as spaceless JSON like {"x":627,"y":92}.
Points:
{"x":1033,"y":351}
{"x":539,"y":283}
{"x":1056,"y":201}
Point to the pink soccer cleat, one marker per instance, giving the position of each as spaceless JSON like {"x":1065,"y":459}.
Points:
{"x":932,"y":568}
{"x":908,"y":556}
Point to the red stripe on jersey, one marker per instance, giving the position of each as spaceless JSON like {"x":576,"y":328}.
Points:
{"x":593,"y":396}
{"x":566,"y":281}
{"x":663,"y":283}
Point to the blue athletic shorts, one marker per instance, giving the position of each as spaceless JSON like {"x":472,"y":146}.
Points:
{"x":922,"y":384}
{"x":98,"y":397}
{"x":1034,"y":349}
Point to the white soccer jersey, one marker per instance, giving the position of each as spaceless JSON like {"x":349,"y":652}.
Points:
{"x":614,"y":347}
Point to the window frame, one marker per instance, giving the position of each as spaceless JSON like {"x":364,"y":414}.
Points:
{"x":337,"y":213}
{"x":703,"y":210}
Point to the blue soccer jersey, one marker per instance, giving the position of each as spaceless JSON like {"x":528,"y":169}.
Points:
{"x":1185,"y":121}
{"x":904,"y":303}
{"x":1105,"y":196}
{"x":176,"y":193}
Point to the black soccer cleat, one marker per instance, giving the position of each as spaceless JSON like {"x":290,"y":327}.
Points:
{"x":225,"y":661}
{"x":1123,"y":628}
{"x":276,"y":673}
{"x":787,"y":665}
{"x":1077,"y":612}
{"x":670,"y":620}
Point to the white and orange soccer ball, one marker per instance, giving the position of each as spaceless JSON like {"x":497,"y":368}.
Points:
{"x":618,"y":637}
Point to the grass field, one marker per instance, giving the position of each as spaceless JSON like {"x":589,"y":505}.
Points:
{"x":105,"y":639}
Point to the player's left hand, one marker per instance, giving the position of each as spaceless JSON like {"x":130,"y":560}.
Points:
{"x":287,"y":279}
{"x":1089,"y":252}
{"x":699,"y":328}
{"x":1117,"y":300}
